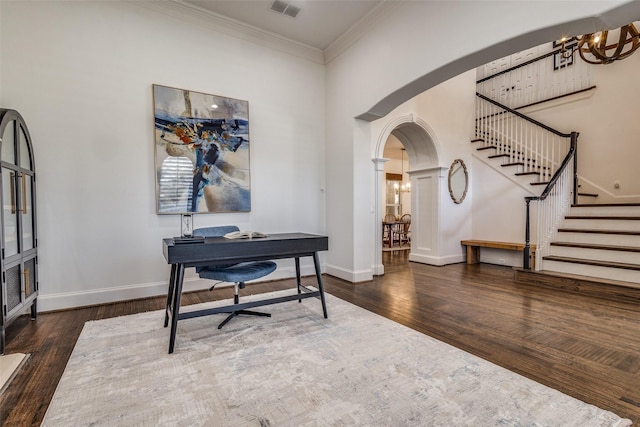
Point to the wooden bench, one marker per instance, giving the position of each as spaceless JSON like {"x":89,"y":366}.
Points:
{"x":473,"y":249}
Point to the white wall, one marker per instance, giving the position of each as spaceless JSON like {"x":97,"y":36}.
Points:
{"x":609,"y":141}
{"x":607,"y":152}
{"x":80,"y":73}
{"x":446,"y":112}
{"x":405,"y":56}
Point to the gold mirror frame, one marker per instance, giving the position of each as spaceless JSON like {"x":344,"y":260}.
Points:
{"x":456,"y":189}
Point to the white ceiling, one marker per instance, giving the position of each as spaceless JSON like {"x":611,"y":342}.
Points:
{"x":319,"y":23}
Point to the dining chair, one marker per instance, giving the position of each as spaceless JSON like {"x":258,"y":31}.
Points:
{"x":404,"y":229}
{"x":388,"y":223}
{"x":238,"y":274}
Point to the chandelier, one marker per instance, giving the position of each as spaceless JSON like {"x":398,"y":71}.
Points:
{"x":594,"y":48}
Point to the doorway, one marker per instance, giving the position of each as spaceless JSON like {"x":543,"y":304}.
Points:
{"x":408,"y":152}
{"x":396,"y":225}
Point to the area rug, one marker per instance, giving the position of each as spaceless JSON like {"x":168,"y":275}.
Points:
{"x":9,"y":366}
{"x":295,"y":369}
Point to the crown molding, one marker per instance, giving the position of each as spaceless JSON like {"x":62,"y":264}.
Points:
{"x":196,"y":15}
{"x":364,"y":25}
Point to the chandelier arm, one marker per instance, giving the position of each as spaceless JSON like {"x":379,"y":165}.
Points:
{"x":587,"y":60}
{"x":622,"y":42}
{"x":596,"y":51}
{"x":634,"y":40}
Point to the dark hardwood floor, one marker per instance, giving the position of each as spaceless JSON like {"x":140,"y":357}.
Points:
{"x":583,"y":346}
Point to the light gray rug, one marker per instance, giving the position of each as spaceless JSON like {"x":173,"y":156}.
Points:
{"x":295,"y":369}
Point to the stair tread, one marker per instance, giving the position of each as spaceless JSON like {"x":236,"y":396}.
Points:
{"x":588,"y":194}
{"x":526,"y":173}
{"x":539,"y":183}
{"x":597,"y":246}
{"x":595,"y":205}
{"x":488,"y":147}
{"x":611,"y":264}
{"x":495,"y":156}
{"x":614,"y":217}
{"x":582,"y":230}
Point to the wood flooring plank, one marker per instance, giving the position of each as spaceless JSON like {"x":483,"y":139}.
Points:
{"x":581,"y":345}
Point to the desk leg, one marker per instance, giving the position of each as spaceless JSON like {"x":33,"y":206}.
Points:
{"x":298,"y":279}
{"x":320,"y":286}
{"x":175,"y":309}
{"x":172,"y":286}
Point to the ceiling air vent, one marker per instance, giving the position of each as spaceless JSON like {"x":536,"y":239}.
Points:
{"x":285,"y":8}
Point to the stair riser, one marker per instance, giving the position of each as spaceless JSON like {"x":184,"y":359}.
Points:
{"x":509,"y":172}
{"x":596,"y":254}
{"x":602,"y":224}
{"x":599,"y":239}
{"x":631,"y":276}
{"x":606,"y":210}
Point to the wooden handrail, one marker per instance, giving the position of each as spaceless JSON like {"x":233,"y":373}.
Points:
{"x":524,"y":117}
{"x":515,"y":67}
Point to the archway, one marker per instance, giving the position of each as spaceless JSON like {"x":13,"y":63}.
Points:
{"x":421,"y":146}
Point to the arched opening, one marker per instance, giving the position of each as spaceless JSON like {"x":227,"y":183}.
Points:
{"x":373,"y":103}
{"x":420,"y":151}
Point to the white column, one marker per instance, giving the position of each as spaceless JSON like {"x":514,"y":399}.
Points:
{"x":379,"y":202}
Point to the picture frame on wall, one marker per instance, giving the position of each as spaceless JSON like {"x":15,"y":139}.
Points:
{"x":201,"y":152}
{"x":560,"y":61}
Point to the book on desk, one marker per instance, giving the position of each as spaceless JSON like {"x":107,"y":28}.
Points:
{"x":244,"y":235}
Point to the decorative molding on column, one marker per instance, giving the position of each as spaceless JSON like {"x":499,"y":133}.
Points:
{"x":417,"y":172}
{"x":379,"y":164}
{"x":377,"y":267}
{"x":388,"y":128}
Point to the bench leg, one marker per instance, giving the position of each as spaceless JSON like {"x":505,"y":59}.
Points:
{"x":473,"y":254}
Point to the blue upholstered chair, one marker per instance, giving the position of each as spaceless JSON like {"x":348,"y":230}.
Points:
{"x":236,"y":273}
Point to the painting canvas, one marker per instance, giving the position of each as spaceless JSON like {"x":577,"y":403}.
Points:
{"x":202,"y":152}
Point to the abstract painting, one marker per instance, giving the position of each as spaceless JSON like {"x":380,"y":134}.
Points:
{"x":202,"y":152}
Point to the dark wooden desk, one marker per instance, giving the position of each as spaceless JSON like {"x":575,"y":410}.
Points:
{"x":219,"y":250}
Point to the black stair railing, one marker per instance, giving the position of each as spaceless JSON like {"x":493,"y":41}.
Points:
{"x":570,"y":159}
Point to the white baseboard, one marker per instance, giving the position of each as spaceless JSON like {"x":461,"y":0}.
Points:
{"x":66,"y":300}
{"x":439,"y":261}
{"x":378,"y":270}
{"x":349,"y":275}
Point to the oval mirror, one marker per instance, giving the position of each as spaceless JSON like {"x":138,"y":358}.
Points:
{"x":458,"y":180}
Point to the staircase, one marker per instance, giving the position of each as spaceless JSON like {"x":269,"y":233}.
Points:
{"x":600,"y":241}
{"x":580,"y":247}
{"x":516,"y":169}
{"x":592,"y":241}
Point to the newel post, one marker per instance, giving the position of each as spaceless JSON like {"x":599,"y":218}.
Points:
{"x":527,"y":238}
{"x":574,"y":144}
